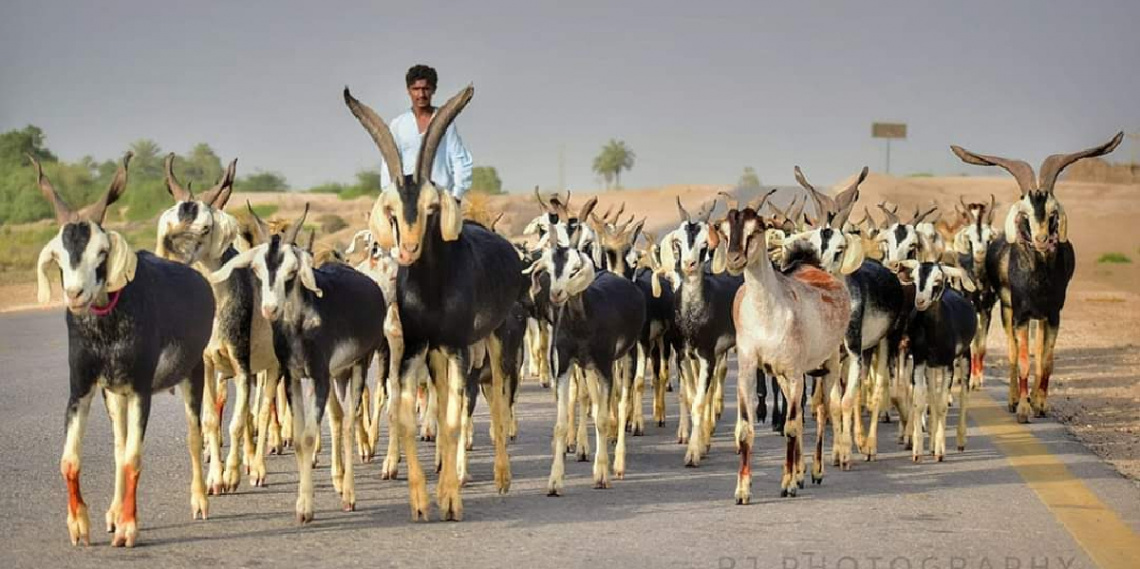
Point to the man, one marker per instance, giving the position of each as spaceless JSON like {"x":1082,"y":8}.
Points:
{"x":452,"y":168}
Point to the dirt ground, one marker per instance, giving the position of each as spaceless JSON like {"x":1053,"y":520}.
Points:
{"x":1096,"y":387}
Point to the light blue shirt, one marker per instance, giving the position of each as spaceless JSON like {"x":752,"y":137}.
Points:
{"x":452,"y":167}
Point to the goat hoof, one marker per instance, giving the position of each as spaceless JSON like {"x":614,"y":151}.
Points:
{"x":125,"y":535}
{"x":349,"y":506}
{"x":619,"y":475}
{"x":661,"y":423}
{"x":961,"y":448}
{"x":791,"y":492}
{"x":569,"y":448}
{"x":602,"y":484}
{"x":917,"y":458}
{"x":583,"y":457}
{"x":800,"y":483}
{"x":783,"y":492}
{"x":817,"y":480}
{"x":939,"y":457}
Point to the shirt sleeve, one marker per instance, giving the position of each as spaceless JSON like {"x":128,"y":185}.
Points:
{"x":459,"y":160}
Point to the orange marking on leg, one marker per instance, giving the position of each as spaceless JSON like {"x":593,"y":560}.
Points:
{"x":745,"y":460}
{"x":1023,"y":361}
{"x":129,"y":507}
{"x":74,"y":496}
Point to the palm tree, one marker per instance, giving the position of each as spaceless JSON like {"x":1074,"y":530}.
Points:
{"x":614,"y":157}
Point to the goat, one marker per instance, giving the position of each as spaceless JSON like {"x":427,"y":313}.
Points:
{"x":136,"y":325}
{"x":899,"y":240}
{"x":198,"y":233}
{"x":791,"y":324}
{"x":970,"y":245}
{"x":702,"y":315}
{"x":654,"y":346}
{"x":598,"y":319}
{"x":940,"y":330}
{"x":323,"y":324}
{"x":1030,"y":268}
{"x":457,"y":283}
{"x":877,"y":312}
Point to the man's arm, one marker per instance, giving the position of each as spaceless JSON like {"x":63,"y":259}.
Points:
{"x":459,"y":160}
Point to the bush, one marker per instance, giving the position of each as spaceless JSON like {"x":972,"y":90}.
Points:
{"x":486,"y":179}
{"x":1115,"y":258}
{"x":329,"y":188}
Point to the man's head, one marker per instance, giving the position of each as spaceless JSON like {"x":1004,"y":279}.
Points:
{"x":421,"y":81}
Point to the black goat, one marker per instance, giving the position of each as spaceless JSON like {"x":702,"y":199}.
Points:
{"x":136,"y":325}
{"x":598,"y":320}
{"x":456,"y":285}
{"x":324,"y":324}
{"x":1031,"y":267}
{"x":940,"y":330}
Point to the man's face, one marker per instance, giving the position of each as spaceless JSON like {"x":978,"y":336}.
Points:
{"x":420,"y":93}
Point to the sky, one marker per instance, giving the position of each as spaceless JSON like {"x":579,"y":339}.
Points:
{"x":698,"y":90}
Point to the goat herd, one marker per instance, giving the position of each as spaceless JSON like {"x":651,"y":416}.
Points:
{"x":872,"y":315}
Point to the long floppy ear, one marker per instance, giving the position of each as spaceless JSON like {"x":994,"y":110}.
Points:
{"x":962,"y":276}
{"x":450,"y":217}
{"x":380,"y":224}
{"x":1062,"y":224}
{"x":852,"y":256}
{"x":223,"y":234}
{"x":43,"y":264}
{"x":961,"y":242}
{"x":364,"y":235}
{"x":308,"y":280}
{"x":713,"y":236}
{"x":655,"y":284}
{"x":121,"y":262}
{"x":241,"y":261}
{"x":720,"y":257}
{"x":906,"y":270}
{"x":1011,"y":232}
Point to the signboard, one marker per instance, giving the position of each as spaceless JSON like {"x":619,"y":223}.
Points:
{"x":888,"y":130}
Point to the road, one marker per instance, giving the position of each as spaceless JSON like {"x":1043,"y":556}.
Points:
{"x":1018,"y":498}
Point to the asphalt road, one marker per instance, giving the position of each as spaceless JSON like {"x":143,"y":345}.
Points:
{"x":977,"y":509}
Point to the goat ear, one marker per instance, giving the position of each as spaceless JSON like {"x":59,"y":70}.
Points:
{"x":450,"y":217}
{"x":121,"y":262}
{"x":964,"y":278}
{"x":655,"y":284}
{"x":1062,"y":224}
{"x":380,"y":224}
{"x":905,"y":272}
{"x":241,"y":261}
{"x":1011,"y":233}
{"x":720,"y":259}
{"x":308,"y":279}
{"x":223,"y":234}
{"x":363,"y":234}
{"x":713,"y":237}
{"x":852,"y":256}
{"x":535,"y":283}
{"x":961,"y":243}
{"x":46,"y":260}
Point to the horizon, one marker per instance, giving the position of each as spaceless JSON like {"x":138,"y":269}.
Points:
{"x":796,"y":84}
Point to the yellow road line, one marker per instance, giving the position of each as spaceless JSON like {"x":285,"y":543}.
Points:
{"x":1098,"y":528}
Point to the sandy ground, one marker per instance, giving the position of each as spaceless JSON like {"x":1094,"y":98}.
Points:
{"x":1096,"y":389}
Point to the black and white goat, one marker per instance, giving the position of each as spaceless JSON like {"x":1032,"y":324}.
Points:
{"x":324,"y":322}
{"x":877,"y":310}
{"x":940,"y":331}
{"x":703,"y":316}
{"x":457,"y":283}
{"x":900,"y":241}
{"x":598,"y":319}
{"x":1031,"y":267}
{"x":136,"y":325}
{"x":196,"y":231}
{"x":971,"y":243}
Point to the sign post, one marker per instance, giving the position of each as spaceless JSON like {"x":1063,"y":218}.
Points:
{"x":888,"y":131}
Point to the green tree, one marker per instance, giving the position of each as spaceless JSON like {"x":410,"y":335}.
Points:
{"x":15,"y":145}
{"x":486,"y":179}
{"x":261,"y":181}
{"x":202,"y":166}
{"x":609,"y":163}
{"x":749,"y":179}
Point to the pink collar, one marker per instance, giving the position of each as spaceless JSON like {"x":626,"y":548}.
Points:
{"x":107,"y":308}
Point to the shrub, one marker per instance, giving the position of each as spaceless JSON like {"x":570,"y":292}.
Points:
{"x":331,"y":223}
{"x":1115,"y":258}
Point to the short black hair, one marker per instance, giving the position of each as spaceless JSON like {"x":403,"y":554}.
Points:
{"x":421,"y":71}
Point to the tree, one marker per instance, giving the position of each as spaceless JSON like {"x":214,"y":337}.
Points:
{"x":202,"y":166}
{"x":261,"y":181}
{"x":614,"y":157}
{"x":15,"y":145}
{"x":749,"y":179}
{"x":147,"y":162}
{"x":486,"y":179}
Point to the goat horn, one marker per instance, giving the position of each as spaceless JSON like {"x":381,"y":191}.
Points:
{"x":63,"y":212}
{"x":1052,"y":166}
{"x":541,"y":202}
{"x":98,"y":210}
{"x":380,"y":134}
{"x":846,"y":199}
{"x":258,"y":223}
{"x":685,"y":217}
{"x":729,"y":200}
{"x":220,"y":193}
{"x":795,"y":212}
{"x":437,"y":128}
{"x":176,"y":190}
{"x":706,"y":211}
{"x":760,"y":201}
{"x":496,"y":221}
{"x":918,"y":217}
{"x":962,"y":200}
{"x":892,"y":219}
{"x":291,"y":233}
{"x":1020,"y":170}
{"x":824,"y":204}
{"x":993,"y":208}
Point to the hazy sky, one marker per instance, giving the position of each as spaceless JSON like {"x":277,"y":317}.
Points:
{"x":698,"y":89}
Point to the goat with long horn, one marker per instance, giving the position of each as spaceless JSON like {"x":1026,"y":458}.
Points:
{"x":1031,"y":268}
